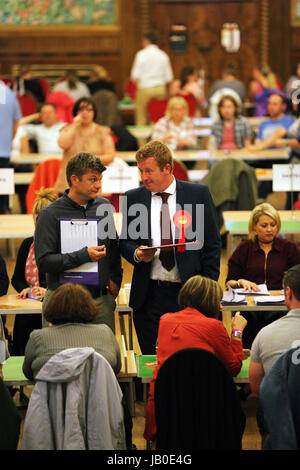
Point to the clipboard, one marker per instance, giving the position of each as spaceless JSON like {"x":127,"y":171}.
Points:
{"x":168,"y":246}
{"x":76,"y":234}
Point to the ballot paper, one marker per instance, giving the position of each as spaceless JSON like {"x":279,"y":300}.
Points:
{"x":269,"y":300}
{"x":263,"y":290}
{"x":75,"y":234}
{"x":120,"y":180}
{"x":231,"y":297}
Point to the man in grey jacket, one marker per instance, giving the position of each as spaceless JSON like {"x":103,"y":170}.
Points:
{"x":84,"y":175}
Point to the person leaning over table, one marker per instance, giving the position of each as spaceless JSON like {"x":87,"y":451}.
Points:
{"x":262,"y":259}
{"x":196,"y":326}
{"x":27,"y":279}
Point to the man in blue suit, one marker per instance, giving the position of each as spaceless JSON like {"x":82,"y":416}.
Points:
{"x":159,"y":273}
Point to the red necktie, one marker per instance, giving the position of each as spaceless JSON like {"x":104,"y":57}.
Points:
{"x":166,"y":254}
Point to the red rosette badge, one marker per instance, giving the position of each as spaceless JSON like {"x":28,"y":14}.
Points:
{"x":182,"y":219}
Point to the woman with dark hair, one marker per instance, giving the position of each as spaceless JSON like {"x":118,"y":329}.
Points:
{"x":189,"y":84}
{"x":196,"y":326}
{"x":70,"y":312}
{"x":231,"y":131}
{"x":83,"y":135}
{"x":72,"y":86}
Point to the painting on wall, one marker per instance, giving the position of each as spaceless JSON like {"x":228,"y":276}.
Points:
{"x":58,"y":13}
{"x":295,"y":12}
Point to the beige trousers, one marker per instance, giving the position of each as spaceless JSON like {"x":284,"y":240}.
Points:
{"x":143,"y":96}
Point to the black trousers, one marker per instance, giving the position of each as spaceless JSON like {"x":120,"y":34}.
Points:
{"x":161,"y":299}
{"x":4,"y":199}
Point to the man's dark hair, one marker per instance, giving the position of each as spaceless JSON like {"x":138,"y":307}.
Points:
{"x":292,"y":279}
{"x":151,"y":36}
{"x":81,"y":164}
{"x":86,"y":100}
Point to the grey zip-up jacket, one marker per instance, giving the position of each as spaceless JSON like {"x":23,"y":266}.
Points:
{"x":75,"y":405}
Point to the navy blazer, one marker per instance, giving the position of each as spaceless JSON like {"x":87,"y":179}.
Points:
{"x":204,"y":260}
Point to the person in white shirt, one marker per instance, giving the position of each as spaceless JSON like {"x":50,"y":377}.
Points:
{"x":152,"y":72}
{"x":47,"y":133}
{"x":72,"y":86}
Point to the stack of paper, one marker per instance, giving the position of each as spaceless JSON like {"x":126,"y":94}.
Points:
{"x":263,"y":290}
{"x":231,"y":297}
{"x":269,"y":300}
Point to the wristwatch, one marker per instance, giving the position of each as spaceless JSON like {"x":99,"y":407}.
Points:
{"x":237,"y":333}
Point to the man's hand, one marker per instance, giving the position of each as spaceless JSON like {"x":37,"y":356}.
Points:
{"x":97,"y":252}
{"x":113,"y":288}
{"x":145,"y":255}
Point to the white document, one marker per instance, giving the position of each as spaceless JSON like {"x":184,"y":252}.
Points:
{"x":263,"y":290}
{"x":76,"y":234}
{"x":286,"y":177}
{"x":233,"y":298}
{"x":119,"y":180}
{"x":270,"y":299}
{"x":7,"y":182}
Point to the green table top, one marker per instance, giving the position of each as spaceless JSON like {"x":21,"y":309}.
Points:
{"x":241,"y":226}
{"x":13,"y":373}
{"x":145,"y":367}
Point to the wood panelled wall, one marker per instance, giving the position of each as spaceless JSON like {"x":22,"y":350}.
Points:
{"x":114,"y":48}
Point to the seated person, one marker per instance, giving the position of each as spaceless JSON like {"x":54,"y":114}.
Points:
{"x":27,"y":280}
{"x":270,"y":343}
{"x":263,"y":84}
{"x":25,"y":83}
{"x":45,"y":134}
{"x":100,"y":80}
{"x":72,"y":86}
{"x":70,"y":312}
{"x":84,"y":135}
{"x":229,"y":80}
{"x":262,"y":259}
{"x":188,"y":84}
{"x":196,"y":326}
{"x":176,"y":128}
{"x":278,"y":119}
{"x":231,"y":131}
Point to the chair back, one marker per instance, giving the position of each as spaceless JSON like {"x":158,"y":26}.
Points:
{"x":196,"y":404}
{"x":27,"y":104}
{"x":191,"y":102}
{"x":45,"y":176}
{"x":156,"y":109}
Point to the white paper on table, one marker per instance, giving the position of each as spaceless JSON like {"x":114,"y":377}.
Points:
{"x":232,"y":297}
{"x":269,"y":299}
{"x":76,"y":234}
{"x":263,"y":290}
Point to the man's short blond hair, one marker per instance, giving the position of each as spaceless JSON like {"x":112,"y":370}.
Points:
{"x":159,"y":151}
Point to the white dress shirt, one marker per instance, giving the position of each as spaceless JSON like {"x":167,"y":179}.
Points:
{"x":151,"y":67}
{"x":157,"y":269}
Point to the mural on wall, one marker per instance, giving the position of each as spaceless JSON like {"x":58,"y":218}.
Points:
{"x":57,"y":12}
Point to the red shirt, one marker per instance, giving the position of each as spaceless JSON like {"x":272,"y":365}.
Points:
{"x":191,"y":329}
{"x":228,"y":138}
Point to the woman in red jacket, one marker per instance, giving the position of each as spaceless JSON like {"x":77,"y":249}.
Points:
{"x":196,"y":326}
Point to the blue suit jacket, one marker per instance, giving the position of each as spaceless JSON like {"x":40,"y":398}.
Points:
{"x":204,"y":261}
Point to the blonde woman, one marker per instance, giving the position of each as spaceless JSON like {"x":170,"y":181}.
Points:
{"x":176,"y":128}
{"x":262,"y":259}
{"x":27,"y":280}
{"x":196,"y":326}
